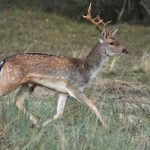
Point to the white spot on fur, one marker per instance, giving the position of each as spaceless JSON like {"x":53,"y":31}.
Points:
{"x":101,"y":41}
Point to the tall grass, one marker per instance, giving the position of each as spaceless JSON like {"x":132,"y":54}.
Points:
{"x":121,"y":91}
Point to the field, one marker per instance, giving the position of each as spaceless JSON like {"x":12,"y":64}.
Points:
{"x":121,"y":90}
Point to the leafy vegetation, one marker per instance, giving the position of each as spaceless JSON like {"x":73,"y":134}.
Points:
{"x":121,"y":91}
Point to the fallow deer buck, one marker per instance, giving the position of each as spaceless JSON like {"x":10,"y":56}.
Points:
{"x":65,"y":75}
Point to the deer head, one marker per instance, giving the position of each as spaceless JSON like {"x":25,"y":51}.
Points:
{"x":109,"y":45}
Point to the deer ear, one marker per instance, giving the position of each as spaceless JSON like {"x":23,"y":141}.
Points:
{"x":113,"y":33}
{"x":103,"y":34}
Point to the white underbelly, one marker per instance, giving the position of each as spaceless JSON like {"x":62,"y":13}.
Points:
{"x":57,"y":86}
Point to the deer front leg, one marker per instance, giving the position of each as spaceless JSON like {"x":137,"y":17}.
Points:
{"x":60,"y":108}
{"x":24,"y":91}
{"x":80,"y":96}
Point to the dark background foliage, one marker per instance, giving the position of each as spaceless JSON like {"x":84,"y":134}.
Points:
{"x":116,"y":10}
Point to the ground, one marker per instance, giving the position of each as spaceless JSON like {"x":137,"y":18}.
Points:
{"x":121,"y":91}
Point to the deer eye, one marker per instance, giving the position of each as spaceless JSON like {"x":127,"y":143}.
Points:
{"x":111,"y":43}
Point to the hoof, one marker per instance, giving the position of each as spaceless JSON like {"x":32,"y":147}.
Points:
{"x":34,"y":125}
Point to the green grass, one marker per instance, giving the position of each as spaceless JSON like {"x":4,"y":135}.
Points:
{"x":121,"y":91}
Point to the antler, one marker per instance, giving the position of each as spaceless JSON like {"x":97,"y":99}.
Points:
{"x":96,"y":21}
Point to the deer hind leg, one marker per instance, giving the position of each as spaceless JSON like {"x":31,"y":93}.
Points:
{"x":24,"y":91}
{"x":60,"y":108}
{"x":80,"y":96}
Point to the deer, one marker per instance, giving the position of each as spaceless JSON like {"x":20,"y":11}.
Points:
{"x":65,"y":75}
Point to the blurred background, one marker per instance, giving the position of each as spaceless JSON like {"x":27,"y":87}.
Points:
{"x":135,"y":11}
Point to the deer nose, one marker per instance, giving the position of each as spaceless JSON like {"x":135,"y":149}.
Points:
{"x":125,"y":51}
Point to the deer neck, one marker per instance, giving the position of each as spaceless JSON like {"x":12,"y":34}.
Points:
{"x":96,"y":59}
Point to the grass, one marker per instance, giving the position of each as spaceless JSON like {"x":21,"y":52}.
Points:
{"x":121,"y":91}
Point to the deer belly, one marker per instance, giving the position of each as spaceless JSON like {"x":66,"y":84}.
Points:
{"x":57,"y":86}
